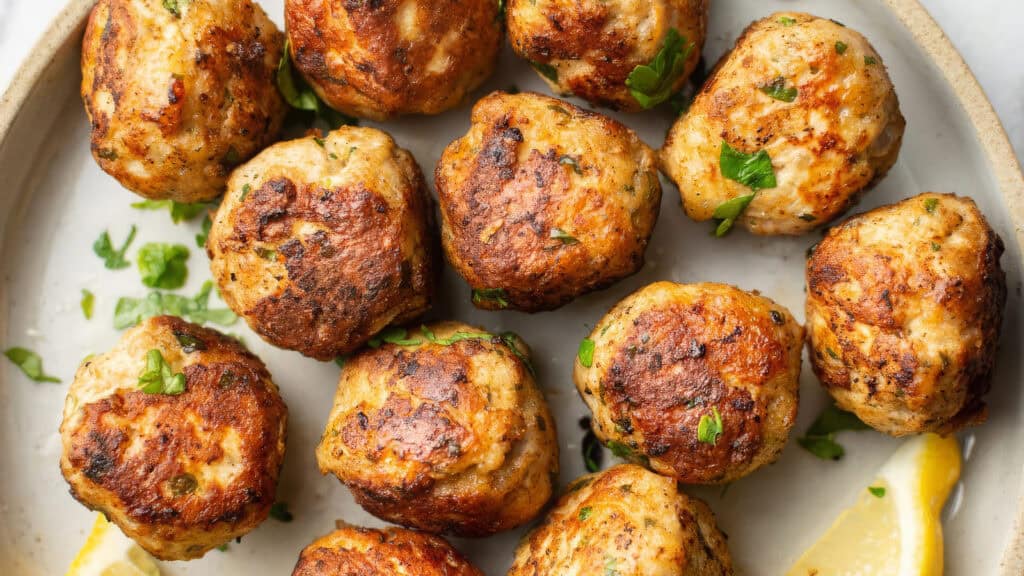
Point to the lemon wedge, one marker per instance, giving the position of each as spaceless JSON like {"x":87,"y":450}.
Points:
{"x":894,"y":529}
{"x":108,"y":552}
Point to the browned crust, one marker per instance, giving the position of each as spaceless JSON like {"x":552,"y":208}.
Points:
{"x":423,"y":433}
{"x":356,"y":551}
{"x":221,"y":111}
{"x":890,"y":370}
{"x":342,"y":281}
{"x":353,"y":54}
{"x":228,"y":393}
{"x":674,"y":367}
{"x":537,"y":272}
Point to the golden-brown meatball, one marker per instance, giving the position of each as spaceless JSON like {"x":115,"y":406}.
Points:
{"x":904,"y":307}
{"x":589,"y":48}
{"x":177,"y":435}
{"x":322,"y":242}
{"x":814,"y":97}
{"x":543,"y":201}
{"x":626,"y":521}
{"x":179,"y":92}
{"x":385,"y":58}
{"x":356,"y":551}
{"x":444,"y":430}
{"x":698,"y":381}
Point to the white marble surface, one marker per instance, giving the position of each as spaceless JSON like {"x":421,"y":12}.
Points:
{"x":987,"y":32}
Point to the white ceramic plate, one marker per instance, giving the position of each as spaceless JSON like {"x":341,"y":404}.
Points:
{"x":55,"y":201}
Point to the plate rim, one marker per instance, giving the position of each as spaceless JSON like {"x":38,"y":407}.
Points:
{"x":926,"y":32}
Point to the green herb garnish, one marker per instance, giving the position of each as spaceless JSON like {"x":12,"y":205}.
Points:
{"x":820,"y":437}
{"x":566,"y":238}
{"x":113,"y":259}
{"x":183,"y":484}
{"x":163,"y":265}
{"x":710,"y":427}
{"x":455,"y":337}
{"x":30,"y":363}
{"x":585,"y":353}
{"x":298,"y":94}
{"x":172,"y":7}
{"x":87,"y":301}
{"x":158,"y":378}
{"x":571,"y":162}
{"x":840,"y":47}
{"x":279,"y":511}
{"x":246,"y":188}
{"x":930,"y":204}
{"x":877,"y":491}
{"x":653,"y":83}
{"x":546,"y":70}
{"x":727,"y":213}
{"x":204,"y":232}
{"x":592,"y":454}
{"x":869,"y":60}
{"x":777,"y":89}
{"x":393,"y":335}
{"x":130,"y":311}
{"x":786,"y":21}
{"x":179,"y":212}
{"x":496,"y":295}
{"x":585,"y":513}
{"x":189,"y":343}
{"x":752,"y":170}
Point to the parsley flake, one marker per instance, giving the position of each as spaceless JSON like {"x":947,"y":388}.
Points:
{"x":585,"y":513}
{"x":710,"y":427}
{"x":113,"y":258}
{"x":496,"y":295}
{"x":566,"y":238}
{"x":546,"y":70}
{"x":163,"y":265}
{"x":130,"y":311}
{"x":30,"y":363}
{"x":777,"y":89}
{"x":87,"y":302}
{"x":159,"y":378}
{"x":298,"y":94}
{"x":586,"y":353}
{"x":840,"y":47}
{"x":179,"y":212}
{"x":786,"y":21}
{"x":653,"y":83}
{"x":820,"y":437}
{"x":279,"y":511}
{"x":877,"y":491}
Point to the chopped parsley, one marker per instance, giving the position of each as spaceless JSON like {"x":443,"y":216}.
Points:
{"x":246,"y":188}
{"x":808,"y":217}
{"x":113,"y":258}
{"x":130,"y":311}
{"x":546,"y":70}
{"x":877,"y":491}
{"x":496,"y":295}
{"x":30,"y":363}
{"x":571,"y":162}
{"x":189,"y":343}
{"x":87,"y":302}
{"x":710,"y":427}
{"x":159,"y":378}
{"x":786,"y":21}
{"x":820,"y":437}
{"x":585,"y":353}
{"x":173,"y":8}
{"x":163,"y":265}
{"x":179,"y":212}
{"x":653,"y":83}
{"x":930,"y":204}
{"x":279,"y":511}
{"x":778,"y":90}
{"x":183,"y":484}
{"x":592,"y":453}
{"x":455,"y":337}
{"x":869,"y":60}
{"x":298,"y":94}
{"x":566,"y":238}
{"x":204,"y":231}
{"x":393,"y":335}
{"x":753,"y":171}
{"x":936,"y":247}
{"x":840,"y":47}
{"x":585,"y":512}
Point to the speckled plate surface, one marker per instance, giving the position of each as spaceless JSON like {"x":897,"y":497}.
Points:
{"x":54,"y":201}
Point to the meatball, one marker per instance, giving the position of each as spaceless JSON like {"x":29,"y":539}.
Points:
{"x":351,"y":550}
{"x":904,"y":307}
{"x":322,"y":242}
{"x":386,"y":58}
{"x":179,"y":93}
{"x":589,"y":48}
{"x":626,"y":521}
{"x":177,"y":435}
{"x":543,"y":201}
{"x":443,"y":429}
{"x":698,"y":381}
{"x":801,"y":113}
